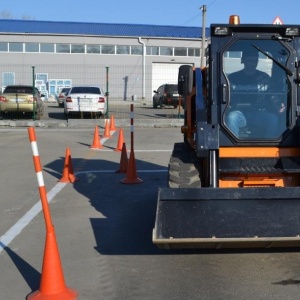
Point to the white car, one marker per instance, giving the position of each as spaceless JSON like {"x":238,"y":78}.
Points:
{"x":85,"y":99}
{"x":62,"y":96}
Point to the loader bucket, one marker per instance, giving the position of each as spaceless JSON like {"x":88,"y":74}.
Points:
{"x":228,"y":218}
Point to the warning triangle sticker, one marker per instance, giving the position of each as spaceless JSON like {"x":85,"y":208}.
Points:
{"x":277,"y":21}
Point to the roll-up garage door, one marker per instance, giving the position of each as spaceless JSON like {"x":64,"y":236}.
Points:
{"x":164,"y":73}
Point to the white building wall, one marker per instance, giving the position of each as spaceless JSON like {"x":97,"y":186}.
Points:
{"x":125,"y":71}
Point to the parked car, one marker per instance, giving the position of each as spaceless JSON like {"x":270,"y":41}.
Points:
{"x":86,"y":99}
{"x":166,"y":94}
{"x":22,"y":99}
{"x":62,"y":96}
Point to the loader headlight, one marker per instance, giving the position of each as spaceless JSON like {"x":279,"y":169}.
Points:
{"x":292,"y":31}
{"x":221,"y":31}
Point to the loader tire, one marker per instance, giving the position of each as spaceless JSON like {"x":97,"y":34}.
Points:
{"x":183,"y":170}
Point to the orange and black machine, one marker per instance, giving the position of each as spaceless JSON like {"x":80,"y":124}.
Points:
{"x":234,"y":180}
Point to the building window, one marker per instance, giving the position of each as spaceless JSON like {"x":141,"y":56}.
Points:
{"x":93,"y":49}
{"x":45,"y":47}
{"x":152,"y":50}
{"x":166,"y":51}
{"x":123,"y":49}
{"x":8,"y":78}
{"x":98,"y":49}
{"x":180,"y":51}
{"x":62,"y":48}
{"x":194,"y":52}
{"x":31,"y":47}
{"x":77,"y":48}
{"x":136,"y":50}
{"x":42,"y":77}
{"x":108,"y":49}
{"x":15,"y":47}
{"x":3,"y":47}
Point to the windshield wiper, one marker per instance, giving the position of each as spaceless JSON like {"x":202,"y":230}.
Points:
{"x":279,"y":64}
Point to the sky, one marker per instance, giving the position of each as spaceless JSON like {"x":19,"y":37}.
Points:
{"x":154,"y":12}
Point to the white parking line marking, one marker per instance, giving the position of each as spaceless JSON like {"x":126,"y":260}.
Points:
{"x":114,"y":171}
{"x":16,"y":229}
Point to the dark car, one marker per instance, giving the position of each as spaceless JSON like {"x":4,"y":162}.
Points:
{"x":166,"y":94}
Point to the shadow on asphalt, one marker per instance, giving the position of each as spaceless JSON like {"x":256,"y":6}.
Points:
{"x":129,"y":210}
{"x":129,"y":213}
{"x":30,"y":274}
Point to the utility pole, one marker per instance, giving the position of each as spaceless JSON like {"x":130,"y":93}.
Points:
{"x":203,"y":8}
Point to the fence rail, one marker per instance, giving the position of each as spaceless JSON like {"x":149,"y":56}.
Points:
{"x":121,"y":81}
{"x":123,"y":84}
{"x":120,"y":111}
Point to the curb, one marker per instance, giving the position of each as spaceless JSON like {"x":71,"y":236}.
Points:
{"x":85,"y":123}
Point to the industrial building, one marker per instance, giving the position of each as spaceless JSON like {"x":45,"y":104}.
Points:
{"x":125,"y":59}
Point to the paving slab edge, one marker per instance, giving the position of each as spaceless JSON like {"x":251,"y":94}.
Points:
{"x":85,"y":123}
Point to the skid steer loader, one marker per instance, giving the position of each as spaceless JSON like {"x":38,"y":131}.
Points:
{"x":234,"y":180}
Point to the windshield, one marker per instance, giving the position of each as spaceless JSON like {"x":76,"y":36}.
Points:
{"x":172,"y":88}
{"x":85,"y":90}
{"x":258,"y":106}
{"x":18,"y":89}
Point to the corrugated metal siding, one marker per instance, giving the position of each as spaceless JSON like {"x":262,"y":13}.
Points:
{"x":101,"y":29}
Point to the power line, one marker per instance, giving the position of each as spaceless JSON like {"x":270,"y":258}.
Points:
{"x":193,"y":18}
{"x":211,"y":3}
{"x":197,"y":15}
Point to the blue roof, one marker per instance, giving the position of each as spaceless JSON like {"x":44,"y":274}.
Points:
{"x":99,"y":29}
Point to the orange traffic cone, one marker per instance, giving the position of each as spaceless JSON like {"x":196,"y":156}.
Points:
{"x":131,"y":175}
{"x":120,"y":141}
{"x":96,"y":141}
{"x":68,"y":173}
{"x":52,"y":284}
{"x":112,"y":125}
{"x":106,"y":130}
{"x":123,"y":160}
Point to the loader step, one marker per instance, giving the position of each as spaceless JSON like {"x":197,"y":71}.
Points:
{"x":260,"y":165}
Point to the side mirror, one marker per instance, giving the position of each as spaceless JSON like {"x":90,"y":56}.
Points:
{"x":185,"y":79}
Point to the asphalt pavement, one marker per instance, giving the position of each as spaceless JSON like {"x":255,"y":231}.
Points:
{"x":103,"y":226}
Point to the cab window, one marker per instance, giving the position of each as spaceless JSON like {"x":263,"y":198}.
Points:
{"x":257,"y":107}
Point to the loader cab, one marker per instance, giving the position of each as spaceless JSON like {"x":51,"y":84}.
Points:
{"x":256,"y":86}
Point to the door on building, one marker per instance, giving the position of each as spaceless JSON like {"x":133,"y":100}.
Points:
{"x":164,"y":73}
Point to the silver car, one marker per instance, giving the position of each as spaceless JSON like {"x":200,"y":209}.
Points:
{"x":62,"y":96}
{"x":86,"y":99}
